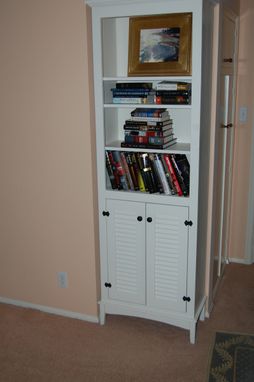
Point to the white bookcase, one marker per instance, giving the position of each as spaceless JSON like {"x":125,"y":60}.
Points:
{"x":152,"y":263}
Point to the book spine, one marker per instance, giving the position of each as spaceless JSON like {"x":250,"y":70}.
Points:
{"x":148,"y":133}
{"x":175,"y":100}
{"x":179,"y":176}
{"x":173,"y":87}
{"x":168,"y":176}
{"x":155,"y":124}
{"x":149,"y":119}
{"x":148,"y":146}
{"x":184,"y":167}
{"x":130,"y":92}
{"x":173,"y":175}
{"x":136,"y":139}
{"x":147,"y":127}
{"x":120,"y":170}
{"x":156,"y":174}
{"x":132,"y":171}
{"x":110,"y":172}
{"x":127,"y":171}
{"x":160,"y":140}
{"x":134,"y":85}
{"x":172,"y":93}
{"x":162,"y":175}
{"x":139,"y":178}
{"x":149,"y":169}
{"x":129,"y":100}
{"x":146,"y":172}
{"x":149,"y":114}
{"x":114,"y":169}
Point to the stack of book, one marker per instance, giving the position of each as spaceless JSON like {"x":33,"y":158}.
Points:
{"x":174,"y":93}
{"x":133,"y":93}
{"x":148,"y":172}
{"x":149,"y":128}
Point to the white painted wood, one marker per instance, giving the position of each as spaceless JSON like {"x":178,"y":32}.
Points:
{"x":102,"y":315}
{"x":167,"y":251}
{"x":151,"y":266}
{"x":126,"y":251}
{"x":249,"y":250}
{"x":168,"y":317}
{"x":224,"y":143}
{"x":49,"y":309}
{"x":202,"y":163}
{"x":223,"y":140}
{"x":193,"y":333}
{"x":202,"y":314}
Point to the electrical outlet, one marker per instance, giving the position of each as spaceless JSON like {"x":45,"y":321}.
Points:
{"x":62,"y":279}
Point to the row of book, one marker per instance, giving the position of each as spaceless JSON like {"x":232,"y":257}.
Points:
{"x":148,"y":172}
{"x":149,"y":128}
{"x":165,"y":92}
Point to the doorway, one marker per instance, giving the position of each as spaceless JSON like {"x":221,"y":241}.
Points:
{"x":227,"y":25}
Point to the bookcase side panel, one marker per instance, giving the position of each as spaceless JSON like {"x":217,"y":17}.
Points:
{"x":109,"y":54}
{"x":195,"y":147}
{"x":205,"y":143}
{"x":115,"y":46}
{"x":181,"y":123}
{"x":100,"y":156}
{"x":122,"y":41}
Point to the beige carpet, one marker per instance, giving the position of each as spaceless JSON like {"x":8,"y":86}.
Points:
{"x":36,"y":346}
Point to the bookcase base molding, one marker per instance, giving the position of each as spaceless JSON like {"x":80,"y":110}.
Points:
{"x":181,"y":321}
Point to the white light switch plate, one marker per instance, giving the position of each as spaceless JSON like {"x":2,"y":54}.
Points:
{"x":243,"y":114}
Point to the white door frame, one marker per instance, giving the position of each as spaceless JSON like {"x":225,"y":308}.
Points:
{"x":249,"y":248}
{"x":235,"y":19}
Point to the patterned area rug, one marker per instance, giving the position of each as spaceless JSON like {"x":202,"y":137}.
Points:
{"x":232,"y":358}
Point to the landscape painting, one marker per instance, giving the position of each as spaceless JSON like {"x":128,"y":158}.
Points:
{"x":160,"y":45}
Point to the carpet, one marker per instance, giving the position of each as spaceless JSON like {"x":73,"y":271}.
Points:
{"x":232,"y":358}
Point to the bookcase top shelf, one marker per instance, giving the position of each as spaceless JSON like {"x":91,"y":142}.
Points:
{"x":149,"y":79}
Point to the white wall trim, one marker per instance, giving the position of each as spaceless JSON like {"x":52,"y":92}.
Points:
{"x":249,"y":256}
{"x":47,"y":309}
{"x":239,"y":261}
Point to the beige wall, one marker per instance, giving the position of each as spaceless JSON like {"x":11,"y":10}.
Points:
{"x":47,"y":154}
{"x":243,"y":132}
{"x":233,"y":5}
{"x":47,"y":190}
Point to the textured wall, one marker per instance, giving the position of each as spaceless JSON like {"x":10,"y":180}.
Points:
{"x":47,"y":184}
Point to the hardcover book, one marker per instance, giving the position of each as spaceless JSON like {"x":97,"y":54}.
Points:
{"x":149,"y":146}
{"x":173,"y":85}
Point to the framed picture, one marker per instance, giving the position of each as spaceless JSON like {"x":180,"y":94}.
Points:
{"x":160,"y":45}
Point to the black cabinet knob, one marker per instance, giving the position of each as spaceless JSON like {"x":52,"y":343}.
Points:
{"x":227,"y":59}
{"x":149,"y":220}
{"x":108,"y":285}
{"x":139,"y":218}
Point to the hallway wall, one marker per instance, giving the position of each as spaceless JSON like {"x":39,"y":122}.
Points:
{"x":47,"y":193}
{"x":243,"y":133}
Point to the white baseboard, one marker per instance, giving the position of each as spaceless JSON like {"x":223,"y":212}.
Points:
{"x":239,"y":261}
{"x":47,"y":309}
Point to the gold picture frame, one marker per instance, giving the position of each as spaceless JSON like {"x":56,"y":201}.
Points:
{"x":160,"y":45}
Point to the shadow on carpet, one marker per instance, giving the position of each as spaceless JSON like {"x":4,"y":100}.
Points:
{"x":232,"y":358}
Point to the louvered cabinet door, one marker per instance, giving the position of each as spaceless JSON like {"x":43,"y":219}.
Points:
{"x":126,"y":251}
{"x":167,"y":239}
